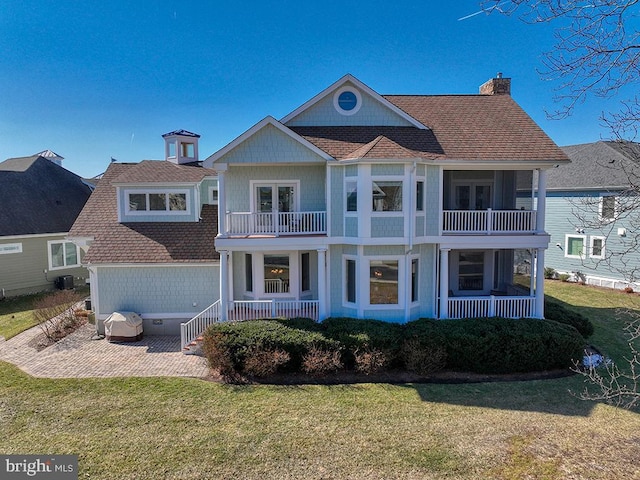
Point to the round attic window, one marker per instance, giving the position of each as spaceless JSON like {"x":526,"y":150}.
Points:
{"x":347,"y":101}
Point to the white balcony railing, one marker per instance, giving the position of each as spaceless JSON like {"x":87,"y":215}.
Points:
{"x":489,"y":221}
{"x":238,"y":310}
{"x":276,"y":223}
{"x":491,"y":306}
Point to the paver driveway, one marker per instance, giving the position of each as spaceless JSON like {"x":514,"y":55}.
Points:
{"x":78,"y":356}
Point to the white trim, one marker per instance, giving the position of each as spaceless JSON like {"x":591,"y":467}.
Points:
{"x":147,"y":265}
{"x":566,"y":245}
{"x":214,"y":188}
{"x":591,"y":239}
{"x":275,"y":184}
{"x":343,"y":287}
{"x":166,"y":191}
{"x":64,"y":267}
{"x":336,"y":100}
{"x":361,"y":86}
{"x":389,"y":179}
{"x":34,"y":235}
{"x":9,"y":248}
{"x":269,"y":120}
{"x":400,"y":281}
{"x":616,"y":207}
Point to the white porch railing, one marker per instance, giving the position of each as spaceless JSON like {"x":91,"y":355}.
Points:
{"x":491,"y":306}
{"x":246,"y":310}
{"x":277,"y":223}
{"x":252,"y":309}
{"x":489,"y":221}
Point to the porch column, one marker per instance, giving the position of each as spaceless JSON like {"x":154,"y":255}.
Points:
{"x":322,"y":284}
{"x":542,"y":200}
{"x":444,"y":282}
{"x":222,"y":204}
{"x":224,"y":284}
{"x":539,"y":308}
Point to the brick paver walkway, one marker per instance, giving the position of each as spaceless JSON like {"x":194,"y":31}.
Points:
{"x":78,"y":356}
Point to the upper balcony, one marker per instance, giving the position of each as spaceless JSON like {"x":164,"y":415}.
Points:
{"x":488,"y":222}
{"x":486,"y":202}
{"x":275,"y":223}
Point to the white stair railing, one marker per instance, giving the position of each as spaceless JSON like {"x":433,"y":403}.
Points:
{"x":190,"y":330}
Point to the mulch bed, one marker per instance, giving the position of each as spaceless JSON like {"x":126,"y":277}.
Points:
{"x":57,"y":333}
{"x":392,"y":377}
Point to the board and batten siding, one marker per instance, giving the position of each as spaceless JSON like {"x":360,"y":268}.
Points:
{"x":24,"y":272}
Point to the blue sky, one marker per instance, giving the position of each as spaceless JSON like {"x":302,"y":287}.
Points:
{"x":92,"y":80}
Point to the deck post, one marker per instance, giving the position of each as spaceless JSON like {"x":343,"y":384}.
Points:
{"x":322,"y":284}
{"x":224,"y":284}
{"x":539,"y":272}
{"x":444,"y":282}
{"x":542,"y":200}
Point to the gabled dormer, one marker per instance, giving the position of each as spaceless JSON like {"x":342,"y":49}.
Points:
{"x":181,"y":147}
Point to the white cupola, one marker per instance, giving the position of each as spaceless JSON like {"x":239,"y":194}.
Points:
{"x":181,"y":146}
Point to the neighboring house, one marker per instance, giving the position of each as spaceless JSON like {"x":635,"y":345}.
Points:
{"x":355,"y":204}
{"x":39,"y":201}
{"x":585,"y":201}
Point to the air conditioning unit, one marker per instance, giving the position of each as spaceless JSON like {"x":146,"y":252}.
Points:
{"x":64,"y":282}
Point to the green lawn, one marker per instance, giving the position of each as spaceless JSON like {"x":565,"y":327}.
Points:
{"x":169,"y":428}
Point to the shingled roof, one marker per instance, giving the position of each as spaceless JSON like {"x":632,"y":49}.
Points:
{"x":480,"y":127}
{"x":141,"y":242}
{"x":37,"y":196}
{"x":599,"y":165}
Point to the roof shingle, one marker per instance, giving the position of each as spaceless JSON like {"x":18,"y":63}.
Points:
{"x":144,"y":242}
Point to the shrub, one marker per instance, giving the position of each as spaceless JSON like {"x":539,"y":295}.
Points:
{"x":423,"y":356}
{"x":564,"y":277}
{"x":227,"y":345}
{"x":319,"y":361}
{"x":55,"y":316}
{"x":628,"y":289}
{"x":370,"y":361}
{"x":499,"y":345}
{"x":558,"y":313}
{"x":260,"y":362}
{"x":357,"y":335}
{"x":549,"y":273}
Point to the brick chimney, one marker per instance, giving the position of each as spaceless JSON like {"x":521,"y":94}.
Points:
{"x":496,"y":86}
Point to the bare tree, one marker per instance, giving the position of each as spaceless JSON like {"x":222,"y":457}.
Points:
{"x":610,"y":384}
{"x":595,"y":53}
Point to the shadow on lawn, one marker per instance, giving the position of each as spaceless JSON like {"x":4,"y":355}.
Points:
{"x":545,"y":396}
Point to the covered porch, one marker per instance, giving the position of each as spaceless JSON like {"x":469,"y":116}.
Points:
{"x":482,"y":283}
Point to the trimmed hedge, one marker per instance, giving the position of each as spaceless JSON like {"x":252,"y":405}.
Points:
{"x":500,"y":345}
{"x":226,"y":345}
{"x":481,"y":345}
{"x":556,"y":312}
{"x":359,"y":337}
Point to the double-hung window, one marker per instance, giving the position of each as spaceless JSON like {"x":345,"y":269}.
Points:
{"x":596,"y":249}
{"x":608,"y":208}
